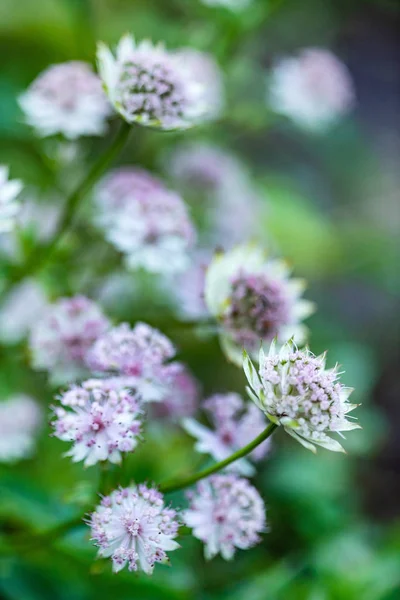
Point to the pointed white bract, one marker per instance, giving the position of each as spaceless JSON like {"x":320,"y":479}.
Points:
{"x":236,"y":424}
{"x":20,"y":419}
{"x":293,"y":388}
{"x":153,"y":87}
{"x":102,"y":422}
{"x":9,"y":206}
{"x":254,"y":300}
{"x":226,"y":513}
{"x":66,"y":99}
{"x":60,"y":340}
{"x":134,"y":527}
{"x":145,"y":221}
{"x":314,"y":89}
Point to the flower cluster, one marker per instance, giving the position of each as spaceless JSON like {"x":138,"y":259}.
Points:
{"x":254,"y":300}
{"x":102,"y":422}
{"x":235,"y":425}
{"x":66,"y":98}
{"x":61,"y":339}
{"x":151,"y":86}
{"x":294,"y":390}
{"x":133,"y":526}
{"x":138,"y":356}
{"x":314,"y":89}
{"x":20,"y":418}
{"x":226,"y":513}
{"x":9,"y":208}
{"x":145,"y":221}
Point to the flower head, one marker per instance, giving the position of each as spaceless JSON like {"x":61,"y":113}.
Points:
{"x":145,"y":221}
{"x":61,"y":339}
{"x":226,"y":513}
{"x":154,"y":87}
{"x":101,"y":421}
{"x":20,"y":418}
{"x":66,"y":98}
{"x":236,"y":424}
{"x":137,"y":355}
{"x":254,"y":300}
{"x":294,"y":390}
{"x":133,"y":526}
{"x":314,"y":89}
{"x":9,"y":207}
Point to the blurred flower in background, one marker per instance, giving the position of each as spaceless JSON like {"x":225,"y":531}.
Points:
{"x":23,"y":306}
{"x":9,"y":207}
{"x":235,"y":5}
{"x":20,"y":419}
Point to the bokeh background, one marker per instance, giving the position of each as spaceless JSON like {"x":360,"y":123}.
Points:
{"x":330,"y":209}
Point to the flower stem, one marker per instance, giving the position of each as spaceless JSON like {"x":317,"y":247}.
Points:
{"x":179,"y":484}
{"x":41,"y":254}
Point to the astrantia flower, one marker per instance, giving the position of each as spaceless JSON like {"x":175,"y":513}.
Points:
{"x":9,"y":207}
{"x":102,"y":422}
{"x":138,"y":355}
{"x":20,"y":418}
{"x":181,"y":394}
{"x":61,"y":339}
{"x":153,"y":87}
{"x":15,"y":318}
{"x":254,"y":300}
{"x":66,"y":98}
{"x":134,"y":527}
{"x":226,"y":513}
{"x":314,"y":88}
{"x":145,"y":221}
{"x":236,"y":424}
{"x":294,"y":390}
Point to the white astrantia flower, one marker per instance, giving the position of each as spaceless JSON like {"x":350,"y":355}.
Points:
{"x":151,"y":86}
{"x":9,"y":207}
{"x":294,"y":389}
{"x":66,"y":98}
{"x":236,"y":424}
{"x":15,"y":319}
{"x":314,"y":88}
{"x":20,"y":419}
{"x":254,"y":300}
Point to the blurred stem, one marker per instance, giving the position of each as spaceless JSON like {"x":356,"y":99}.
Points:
{"x":41,"y":255}
{"x":179,"y":484}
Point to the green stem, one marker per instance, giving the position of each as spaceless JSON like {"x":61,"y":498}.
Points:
{"x":179,"y":484}
{"x":41,"y":254}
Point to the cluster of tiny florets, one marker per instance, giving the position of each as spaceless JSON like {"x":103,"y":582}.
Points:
{"x":9,"y":207}
{"x":61,"y":339}
{"x":20,"y":418}
{"x":66,"y":98}
{"x":145,"y":221}
{"x":102,"y":422}
{"x":134,"y":527}
{"x":226,"y":513}
{"x":236,"y":424}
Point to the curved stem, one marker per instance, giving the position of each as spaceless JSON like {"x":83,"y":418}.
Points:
{"x":179,"y":484}
{"x":41,"y":254}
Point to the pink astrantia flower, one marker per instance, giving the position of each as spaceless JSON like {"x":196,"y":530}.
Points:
{"x":66,"y":98}
{"x":236,"y":424}
{"x":102,"y":422}
{"x":20,"y":418}
{"x":137,"y":356}
{"x":61,"y":339}
{"x":134,"y":527}
{"x":254,"y":300}
{"x":144,"y":220}
{"x":225,"y":513}
{"x":153,"y":87}
{"x":314,"y":88}
{"x":9,"y":207}
{"x":293,"y":389}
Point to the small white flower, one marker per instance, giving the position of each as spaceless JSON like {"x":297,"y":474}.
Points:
{"x":20,"y":418}
{"x":254,"y":300}
{"x":66,"y":98}
{"x":293,"y":388}
{"x":153,"y":87}
{"x":9,"y":207}
{"x":314,"y":89}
